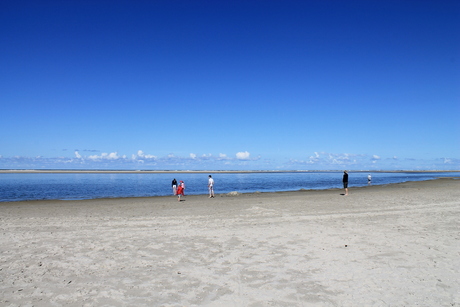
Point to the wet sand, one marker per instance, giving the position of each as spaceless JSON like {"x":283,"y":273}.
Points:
{"x":392,"y":245}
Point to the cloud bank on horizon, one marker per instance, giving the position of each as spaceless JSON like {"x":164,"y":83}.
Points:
{"x":239,"y":161}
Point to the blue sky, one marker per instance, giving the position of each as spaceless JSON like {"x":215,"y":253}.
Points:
{"x":230,"y":85}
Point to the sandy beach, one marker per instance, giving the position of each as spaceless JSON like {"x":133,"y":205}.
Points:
{"x":393,"y":245}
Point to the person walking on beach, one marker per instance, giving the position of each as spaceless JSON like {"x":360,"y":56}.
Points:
{"x":180,"y":191}
{"x":182,"y":184}
{"x":369,"y":179}
{"x":174,"y":186}
{"x":211,"y":187}
{"x":345,"y":182}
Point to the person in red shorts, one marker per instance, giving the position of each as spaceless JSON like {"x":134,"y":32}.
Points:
{"x":180,"y":191}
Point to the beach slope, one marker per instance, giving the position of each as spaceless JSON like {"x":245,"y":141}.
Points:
{"x":393,"y":245}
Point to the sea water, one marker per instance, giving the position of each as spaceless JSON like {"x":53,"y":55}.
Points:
{"x":71,"y":186}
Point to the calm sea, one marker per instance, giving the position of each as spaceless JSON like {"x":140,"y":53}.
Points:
{"x":17,"y":187}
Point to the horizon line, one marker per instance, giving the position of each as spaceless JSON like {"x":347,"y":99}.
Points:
{"x":76,"y":171}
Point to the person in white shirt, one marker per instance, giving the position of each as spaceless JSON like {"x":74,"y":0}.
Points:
{"x":211,"y":187}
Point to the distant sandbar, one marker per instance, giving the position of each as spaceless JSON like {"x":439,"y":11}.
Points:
{"x":59,"y":171}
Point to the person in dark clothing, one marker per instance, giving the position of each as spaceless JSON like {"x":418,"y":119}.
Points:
{"x":174,"y":186}
{"x":345,"y":182}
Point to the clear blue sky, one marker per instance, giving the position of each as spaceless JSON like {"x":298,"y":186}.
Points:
{"x":307,"y":85}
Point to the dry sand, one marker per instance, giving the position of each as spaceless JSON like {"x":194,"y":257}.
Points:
{"x":394,"y":245}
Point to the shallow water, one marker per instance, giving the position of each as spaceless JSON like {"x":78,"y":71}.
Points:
{"x":17,"y":187}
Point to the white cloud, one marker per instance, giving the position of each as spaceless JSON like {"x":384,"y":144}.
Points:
{"x":142,"y":155}
{"x":112,"y":156}
{"x":193,"y":156}
{"x":242,"y":155}
{"x":375,"y":157}
{"x":77,"y":155}
{"x":325,"y":160}
{"x":105,"y":156}
{"x":314,"y":159}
